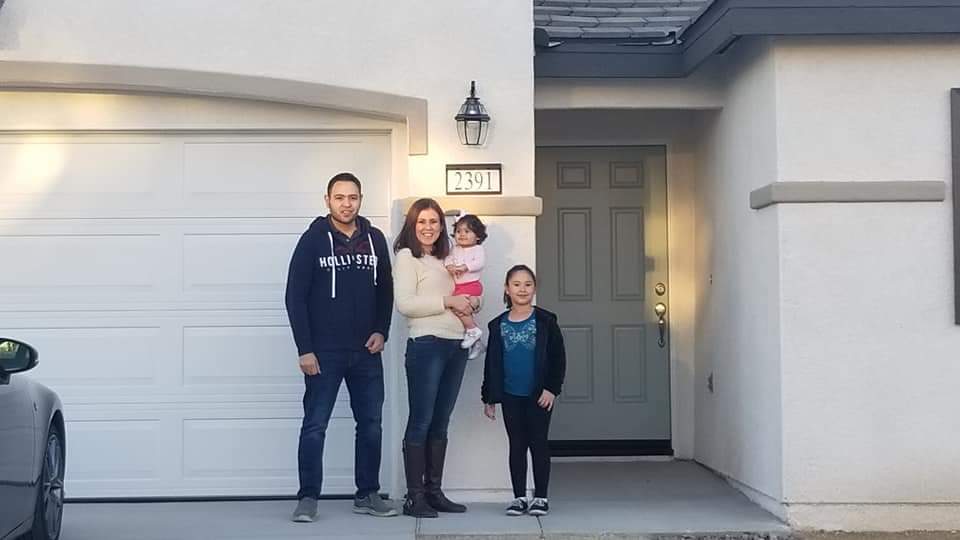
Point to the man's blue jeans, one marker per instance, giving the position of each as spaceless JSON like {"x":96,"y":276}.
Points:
{"x":435,"y":368}
{"x":364,"y":375}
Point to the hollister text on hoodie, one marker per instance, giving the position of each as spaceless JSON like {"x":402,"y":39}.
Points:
{"x":339,"y":289}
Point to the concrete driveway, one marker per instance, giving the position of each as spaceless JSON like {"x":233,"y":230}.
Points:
{"x":588,"y":500}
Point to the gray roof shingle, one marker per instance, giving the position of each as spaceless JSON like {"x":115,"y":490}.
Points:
{"x":616,"y":19}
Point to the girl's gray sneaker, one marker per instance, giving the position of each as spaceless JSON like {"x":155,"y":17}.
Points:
{"x":539,"y":506}
{"x":518,"y":507}
{"x":306,"y":510}
{"x":375,"y":506}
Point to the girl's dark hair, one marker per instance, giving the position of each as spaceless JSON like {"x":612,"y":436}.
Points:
{"x":408,"y":234}
{"x":474,"y":224}
{"x":510,"y":273}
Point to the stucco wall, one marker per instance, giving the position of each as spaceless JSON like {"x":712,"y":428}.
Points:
{"x":414,"y":48}
{"x":700,"y":90}
{"x":869,"y":346}
{"x":411,"y":47}
{"x":738,"y":425}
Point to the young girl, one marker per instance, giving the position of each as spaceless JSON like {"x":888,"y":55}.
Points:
{"x":464,"y":263}
{"x":523,"y":372}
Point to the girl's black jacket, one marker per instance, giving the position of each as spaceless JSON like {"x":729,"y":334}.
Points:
{"x":550,"y":358}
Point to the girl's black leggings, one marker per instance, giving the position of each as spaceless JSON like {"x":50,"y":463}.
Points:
{"x":527,"y":427}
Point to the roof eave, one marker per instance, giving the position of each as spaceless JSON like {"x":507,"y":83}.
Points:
{"x":728,"y":20}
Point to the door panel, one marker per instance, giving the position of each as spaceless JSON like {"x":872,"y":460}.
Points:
{"x":601,"y":251}
{"x":17,"y":448}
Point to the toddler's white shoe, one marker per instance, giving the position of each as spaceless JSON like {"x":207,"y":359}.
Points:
{"x":476,"y":350}
{"x":472,"y":336}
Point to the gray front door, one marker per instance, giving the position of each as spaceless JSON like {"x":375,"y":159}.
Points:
{"x":602,"y":267}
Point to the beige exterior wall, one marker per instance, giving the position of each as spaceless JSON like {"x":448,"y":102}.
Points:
{"x":870,"y":347}
{"x":408,"y":48}
{"x":738,"y":281}
{"x":828,"y":327}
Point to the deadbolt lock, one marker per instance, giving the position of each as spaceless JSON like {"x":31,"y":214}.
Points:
{"x":660,"y":289}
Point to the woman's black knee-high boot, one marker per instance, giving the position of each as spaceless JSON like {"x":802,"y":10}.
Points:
{"x":414,"y":465}
{"x":436,"y":455}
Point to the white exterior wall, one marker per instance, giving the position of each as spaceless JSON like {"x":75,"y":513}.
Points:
{"x":738,"y":425}
{"x":410,"y":48}
{"x":701,"y":90}
{"x":870,"y":348}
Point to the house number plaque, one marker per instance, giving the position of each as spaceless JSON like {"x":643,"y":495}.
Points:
{"x":472,"y":179}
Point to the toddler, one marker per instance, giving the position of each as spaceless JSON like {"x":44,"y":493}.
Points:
{"x":465,"y":262}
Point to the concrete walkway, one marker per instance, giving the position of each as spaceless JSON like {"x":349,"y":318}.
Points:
{"x":609,"y":500}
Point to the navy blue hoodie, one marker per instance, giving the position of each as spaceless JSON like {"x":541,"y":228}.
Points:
{"x":339,"y":290}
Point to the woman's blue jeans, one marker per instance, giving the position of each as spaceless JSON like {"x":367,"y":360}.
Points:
{"x":435,"y":368}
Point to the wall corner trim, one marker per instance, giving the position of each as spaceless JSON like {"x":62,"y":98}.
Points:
{"x":55,"y":76}
{"x":848,"y":192}
{"x":484,"y":205}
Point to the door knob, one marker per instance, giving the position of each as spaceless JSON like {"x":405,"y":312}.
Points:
{"x":661,"y":310}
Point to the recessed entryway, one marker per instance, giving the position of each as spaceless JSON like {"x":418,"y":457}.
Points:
{"x":602,"y":259}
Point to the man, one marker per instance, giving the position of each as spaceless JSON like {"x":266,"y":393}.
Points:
{"x":340,"y":300}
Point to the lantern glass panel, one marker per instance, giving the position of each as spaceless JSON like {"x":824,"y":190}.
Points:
{"x":475,"y":132}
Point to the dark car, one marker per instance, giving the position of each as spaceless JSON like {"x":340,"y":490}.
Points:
{"x":32,"y":449}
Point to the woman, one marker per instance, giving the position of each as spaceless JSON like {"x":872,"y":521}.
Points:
{"x":435,"y":362}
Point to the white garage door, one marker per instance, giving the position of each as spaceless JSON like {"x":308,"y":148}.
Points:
{"x":148,"y":269}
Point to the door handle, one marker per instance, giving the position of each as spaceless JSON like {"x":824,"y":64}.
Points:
{"x":661,"y":310}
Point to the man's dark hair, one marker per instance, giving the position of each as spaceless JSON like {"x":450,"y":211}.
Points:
{"x":474,"y":224}
{"x":344,"y":177}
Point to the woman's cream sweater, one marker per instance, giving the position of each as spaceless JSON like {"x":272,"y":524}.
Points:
{"x":419,"y":286}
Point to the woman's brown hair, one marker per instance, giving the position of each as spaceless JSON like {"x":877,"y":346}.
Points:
{"x":408,"y":234}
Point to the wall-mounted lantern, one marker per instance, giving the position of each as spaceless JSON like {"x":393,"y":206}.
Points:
{"x":472,"y":120}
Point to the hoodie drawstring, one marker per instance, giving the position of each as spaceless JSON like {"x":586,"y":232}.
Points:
{"x":374,"y":253}
{"x":333,"y":269}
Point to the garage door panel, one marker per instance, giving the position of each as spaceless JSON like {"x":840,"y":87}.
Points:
{"x":109,"y":357}
{"x":91,"y":175}
{"x":240,"y":447}
{"x":208,"y":358}
{"x":152,"y":264}
{"x":281,"y":172}
{"x":240,"y":355}
{"x":75,"y":264}
{"x":251,"y":265}
{"x":110,"y":450}
{"x":63,"y":169}
{"x":266,"y":166}
{"x":247,"y":448}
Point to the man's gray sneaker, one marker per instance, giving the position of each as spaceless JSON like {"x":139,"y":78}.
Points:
{"x":375,"y":506}
{"x":306,"y":510}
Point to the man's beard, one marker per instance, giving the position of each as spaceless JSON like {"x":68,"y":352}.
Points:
{"x":335,"y":216}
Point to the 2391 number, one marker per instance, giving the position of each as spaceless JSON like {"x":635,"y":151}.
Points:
{"x":473,"y":179}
